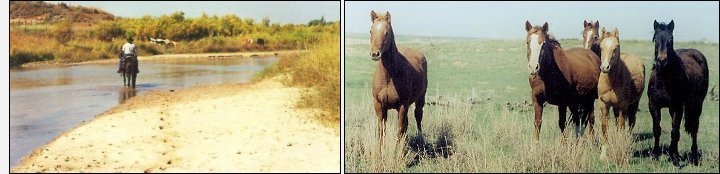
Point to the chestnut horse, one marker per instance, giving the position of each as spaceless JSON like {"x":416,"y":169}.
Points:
{"x":400,"y":78}
{"x":621,"y":83}
{"x":591,"y":36}
{"x":679,"y":81}
{"x":566,"y":78}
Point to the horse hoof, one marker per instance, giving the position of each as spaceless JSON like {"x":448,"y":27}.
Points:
{"x":675,"y":159}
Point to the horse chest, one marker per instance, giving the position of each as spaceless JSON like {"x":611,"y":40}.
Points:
{"x":388,"y":95}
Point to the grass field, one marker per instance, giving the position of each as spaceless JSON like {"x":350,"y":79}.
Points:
{"x":496,"y":134}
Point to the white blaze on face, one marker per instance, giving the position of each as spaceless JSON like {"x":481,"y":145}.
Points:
{"x":535,"y":47}
{"x":607,"y":52}
{"x":588,"y":35}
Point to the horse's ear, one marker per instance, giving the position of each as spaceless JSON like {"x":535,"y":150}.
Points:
{"x":545,"y":27}
{"x":373,"y":15}
{"x":597,"y":24}
{"x":671,"y":26}
{"x":616,"y":32}
{"x":387,"y":16}
{"x":656,"y":25}
{"x":604,"y":32}
{"x":585,"y":23}
{"x":528,"y":26}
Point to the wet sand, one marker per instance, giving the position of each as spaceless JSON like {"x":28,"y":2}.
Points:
{"x":214,"y":128}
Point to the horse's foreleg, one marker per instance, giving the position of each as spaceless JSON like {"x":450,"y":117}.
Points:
{"x":620,"y":124}
{"x":381,"y":118}
{"x":562,"y":118}
{"x":418,"y":117}
{"x":604,"y":109}
{"x":657,"y":130}
{"x":537,"y":105}
{"x":677,"y":114}
{"x":402,"y":122}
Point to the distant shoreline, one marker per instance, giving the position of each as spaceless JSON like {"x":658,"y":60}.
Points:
{"x":53,"y":63}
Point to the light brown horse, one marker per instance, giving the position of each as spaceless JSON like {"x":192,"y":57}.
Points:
{"x":591,"y":36}
{"x":566,"y":78}
{"x":621,"y":83}
{"x":400,"y":78}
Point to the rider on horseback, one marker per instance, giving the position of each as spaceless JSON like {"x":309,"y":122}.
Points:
{"x":128,"y":49}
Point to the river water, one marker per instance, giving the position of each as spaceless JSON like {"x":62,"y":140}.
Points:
{"x":45,"y":102}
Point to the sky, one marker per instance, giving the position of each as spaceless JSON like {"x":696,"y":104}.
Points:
{"x":694,"y":21}
{"x":295,"y":12}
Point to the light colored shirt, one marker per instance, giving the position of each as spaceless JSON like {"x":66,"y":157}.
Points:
{"x":129,"y":48}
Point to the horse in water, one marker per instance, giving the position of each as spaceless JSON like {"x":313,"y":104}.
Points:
{"x":130,"y":71}
{"x":621,"y":84}
{"x":400,"y":77}
{"x":566,"y":78}
{"x":591,"y":36}
{"x":679,"y":81}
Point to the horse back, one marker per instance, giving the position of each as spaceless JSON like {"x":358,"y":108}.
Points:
{"x":696,"y":70}
{"x":636,"y":69}
{"x":584,"y":72}
{"x":415,"y":58}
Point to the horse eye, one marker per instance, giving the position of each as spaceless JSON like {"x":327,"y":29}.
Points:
{"x":386,"y":33}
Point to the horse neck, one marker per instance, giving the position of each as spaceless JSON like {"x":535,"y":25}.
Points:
{"x":595,"y":48}
{"x":555,"y":61}
{"x":389,"y":59}
{"x":673,"y":68}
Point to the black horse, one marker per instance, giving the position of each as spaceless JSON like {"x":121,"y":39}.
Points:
{"x":130,"y":71}
{"x":679,"y":81}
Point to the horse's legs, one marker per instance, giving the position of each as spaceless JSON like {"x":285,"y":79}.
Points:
{"x":677,"y":114}
{"x":537,"y":105}
{"x":381,"y":118}
{"x":562,"y":118}
{"x":402,"y":121}
{"x":134,"y":76}
{"x":657,"y":130}
{"x":631,"y":115}
{"x":620,"y":124}
{"x":418,"y":117}
{"x":590,"y":116}
{"x":692,"y":121}
{"x":604,"y":109}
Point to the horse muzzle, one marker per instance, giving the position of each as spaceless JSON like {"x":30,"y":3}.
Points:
{"x":375,"y":56}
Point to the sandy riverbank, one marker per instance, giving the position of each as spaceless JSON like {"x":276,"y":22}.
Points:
{"x":166,"y":57}
{"x":216,"y":128}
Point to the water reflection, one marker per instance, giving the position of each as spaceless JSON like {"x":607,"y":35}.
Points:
{"x":125,"y":93}
{"x":71,"y":95}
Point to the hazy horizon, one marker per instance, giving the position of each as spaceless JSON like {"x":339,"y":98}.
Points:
{"x":694,"y":21}
{"x":296,"y":12}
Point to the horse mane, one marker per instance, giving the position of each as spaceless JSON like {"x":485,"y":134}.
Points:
{"x":552,"y":40}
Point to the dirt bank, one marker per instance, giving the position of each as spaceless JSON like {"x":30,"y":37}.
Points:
{"x":231,"y":128}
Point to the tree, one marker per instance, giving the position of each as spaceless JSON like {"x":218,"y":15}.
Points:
{"x":320,"y":21}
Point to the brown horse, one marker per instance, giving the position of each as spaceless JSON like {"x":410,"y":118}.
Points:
{"x":591,"y":36}
{"x":679,"y":81}
{"x":400,"y":78}
{"x":621,"y":83}
{"x":566,"y":78}
{"x":130,"y":71}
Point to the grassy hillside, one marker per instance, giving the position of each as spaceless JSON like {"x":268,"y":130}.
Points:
{"x":70,"y":38}
{"x":496,"y":134}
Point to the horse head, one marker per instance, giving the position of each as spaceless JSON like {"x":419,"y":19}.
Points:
{"x":663,"y":39}
{"x":610,"y":49}
{"x":590,"y":34}
{"x":535,"y":40}
{"x":381,"y":34}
